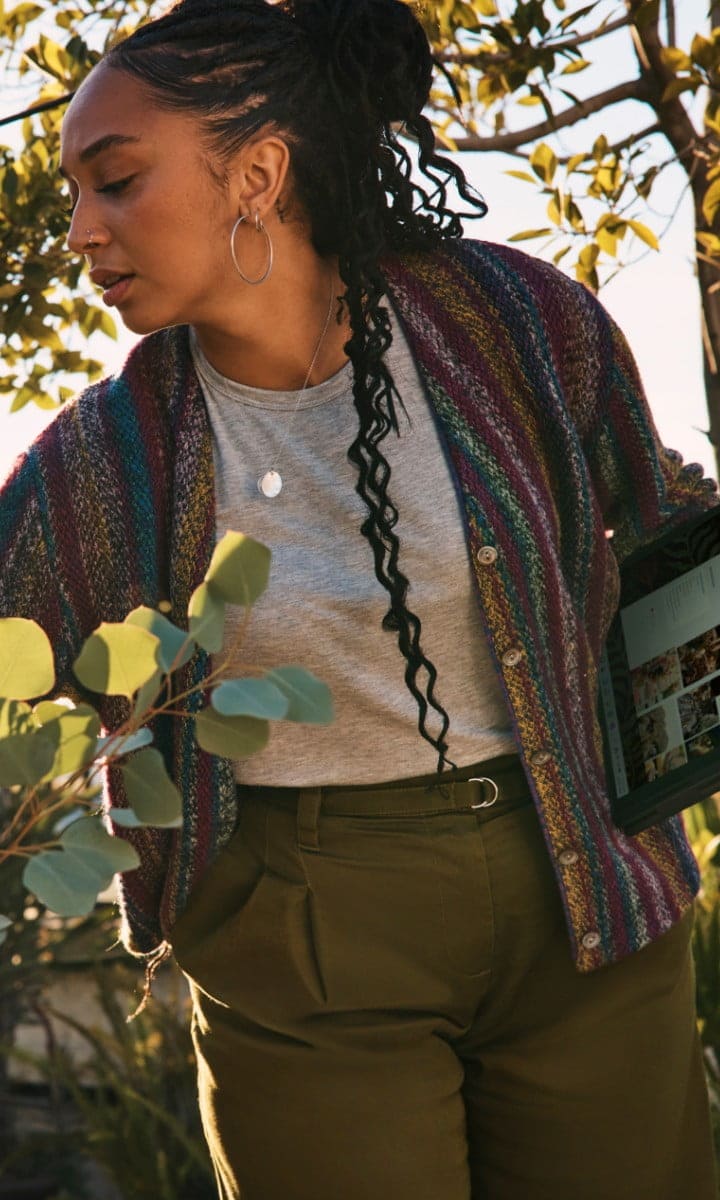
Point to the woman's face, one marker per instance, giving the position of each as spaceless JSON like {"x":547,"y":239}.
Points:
{"x":158,"y":220}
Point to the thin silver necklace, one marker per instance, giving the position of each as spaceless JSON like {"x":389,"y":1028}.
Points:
{"x":270,"y":484}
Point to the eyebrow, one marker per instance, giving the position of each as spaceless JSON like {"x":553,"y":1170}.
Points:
{"x":99,"y":146}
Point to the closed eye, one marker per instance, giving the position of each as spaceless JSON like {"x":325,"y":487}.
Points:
{"x":112,"y":189}
{"x":116,"y":186}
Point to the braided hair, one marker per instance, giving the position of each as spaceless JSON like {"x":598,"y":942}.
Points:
{"x":334,"y":78}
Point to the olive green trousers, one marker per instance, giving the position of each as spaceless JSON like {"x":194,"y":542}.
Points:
{"x":385,"y":1008}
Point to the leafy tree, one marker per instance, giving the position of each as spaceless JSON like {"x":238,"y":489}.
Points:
{"x":43,"y":293}
{"x":496,"y":60}
{"x":498,"y":57}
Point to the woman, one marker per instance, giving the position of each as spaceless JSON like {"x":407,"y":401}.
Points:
{"x":408,"y":979}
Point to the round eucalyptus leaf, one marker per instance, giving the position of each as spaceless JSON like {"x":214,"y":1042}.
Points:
{"x":116,"y":747}
{"x":16,"y":717}
{"x":206,"y":612}
{"x":48,"y":710}
{"x":77,"y":732}
{"x":124,"y":817}
{"x":117,"y":659}
{"x":250,"y":698}
{"x":309,"y":700}
{"x":25,"y":758}
{"x":153,"y":796}
{"x":230,"y":737}
{"x":26,"y":659}
{"x":63,"y":883}
{"x":239,"y":569}
{"x":147,"y":695}
{"x":89,"y":838}
{"x":174,"y":642}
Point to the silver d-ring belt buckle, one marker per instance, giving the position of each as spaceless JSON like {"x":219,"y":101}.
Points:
{"x":496,"y":791}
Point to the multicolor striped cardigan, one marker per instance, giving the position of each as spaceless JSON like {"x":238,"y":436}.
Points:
{"x":550,"y":441}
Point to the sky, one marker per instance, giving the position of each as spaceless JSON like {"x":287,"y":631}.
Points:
{"x":655,"y":301}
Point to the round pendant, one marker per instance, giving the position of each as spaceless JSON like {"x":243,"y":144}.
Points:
{"x":271,"y":484}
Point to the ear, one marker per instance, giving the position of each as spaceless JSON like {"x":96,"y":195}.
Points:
{"x":259,"y":174}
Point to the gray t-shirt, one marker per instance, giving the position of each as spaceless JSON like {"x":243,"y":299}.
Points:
{"x":324,"y":606}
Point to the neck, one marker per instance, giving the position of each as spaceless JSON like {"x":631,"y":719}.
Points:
{"x":267,"y":339}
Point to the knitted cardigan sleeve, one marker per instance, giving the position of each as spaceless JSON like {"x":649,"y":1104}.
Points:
{"x":29,"y":576}
{"x":641,"y":487}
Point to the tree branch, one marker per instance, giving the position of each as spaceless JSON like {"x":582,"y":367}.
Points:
{"x":673,"y":117}
{"x":456,"y":56}
{"x":670,"y":23}
{"x":633,"y":89}
{"x":38,"y":108}
{"x":617,"y":147}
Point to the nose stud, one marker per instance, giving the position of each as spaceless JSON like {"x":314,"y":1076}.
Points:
{"x":496,"y":791}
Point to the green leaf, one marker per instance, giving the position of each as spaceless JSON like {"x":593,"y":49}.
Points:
{"x":524,"y":175}
{"x":117,"y":659}
{"x":63,"y":882}
{"x":577,"y":64}
{"x":5,"y":924}
{"x":543,"y":162}
{"x":529,"y":233}
{"x":250,"y":698}
{"x":553,"y":208}
{"x":710,"y":206}
{"x":230,"y":737}
{"x":710,"y":242}
{"x":646,"y":235}
{"x":48,"y":710}
{"x":153,"y":796}
{"x":239,"y":569}
{"x":15,"y":717}
{"x":146,"y":696}
{"x":77,"y":731}
{"x":675,"y":58}
{"x":26,"y":659}
{"x":309,"y":698}
{"x":25,"y":758}
{"x":88,"y":839}
{"x":125,"y":817}
{"x":676,"y":87}
{"x":116,"y":747}
{"x":573,"y":162}
{"x":174,"y":643}
{"x":206,"y":613}
{"x":589,"y":255}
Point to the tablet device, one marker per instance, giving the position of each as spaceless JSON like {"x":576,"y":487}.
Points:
{"x":660,"y":677}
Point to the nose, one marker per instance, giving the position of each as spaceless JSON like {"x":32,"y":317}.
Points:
{"x":83,"y":236}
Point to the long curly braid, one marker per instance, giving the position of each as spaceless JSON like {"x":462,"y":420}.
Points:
{"x":334,"y":77}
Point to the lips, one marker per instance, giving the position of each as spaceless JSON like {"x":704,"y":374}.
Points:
{"x":106,"y":278}
{"x":114,"y":283}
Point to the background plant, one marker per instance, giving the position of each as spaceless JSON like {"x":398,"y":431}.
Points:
{"x":51,"y":751}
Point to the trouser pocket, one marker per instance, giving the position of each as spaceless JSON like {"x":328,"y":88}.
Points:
{"x":246,"y":937}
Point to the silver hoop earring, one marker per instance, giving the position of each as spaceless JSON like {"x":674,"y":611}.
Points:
{"x":260,"y":229}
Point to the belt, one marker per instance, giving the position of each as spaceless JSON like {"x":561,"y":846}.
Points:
{"x":489,"y":789}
